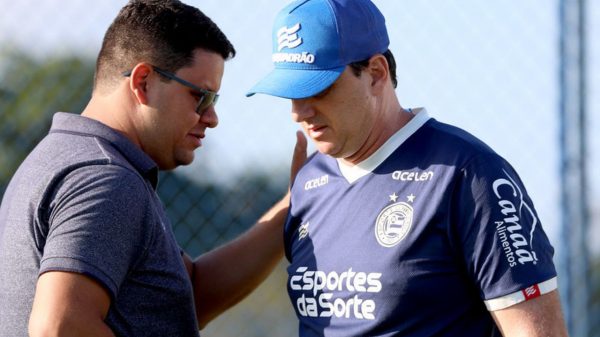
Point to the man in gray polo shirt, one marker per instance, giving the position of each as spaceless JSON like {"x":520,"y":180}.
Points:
{"x":85,"y":246}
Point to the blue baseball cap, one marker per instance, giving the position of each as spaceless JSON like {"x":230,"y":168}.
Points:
{"x":314,"y":41}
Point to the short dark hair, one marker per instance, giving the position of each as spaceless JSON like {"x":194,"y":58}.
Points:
{"x":164,"y":33}
{"x":357,"y":67}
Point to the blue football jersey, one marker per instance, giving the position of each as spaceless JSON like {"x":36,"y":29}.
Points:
{"x":423,"y":238}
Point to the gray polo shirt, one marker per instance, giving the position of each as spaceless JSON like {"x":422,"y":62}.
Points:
{"x":84,"y":201}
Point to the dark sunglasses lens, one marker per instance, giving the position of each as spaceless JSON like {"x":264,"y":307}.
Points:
{"x":201,"y":102}
{"x":206,"y":100}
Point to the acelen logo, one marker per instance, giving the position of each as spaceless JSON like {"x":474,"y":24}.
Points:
{"x":412,"y":175}
{"x":318,"y":182}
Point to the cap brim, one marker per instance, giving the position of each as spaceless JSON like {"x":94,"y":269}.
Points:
{"x":296,"y":83}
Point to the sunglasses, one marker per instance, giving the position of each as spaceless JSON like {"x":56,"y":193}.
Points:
{"x":206,"y":98}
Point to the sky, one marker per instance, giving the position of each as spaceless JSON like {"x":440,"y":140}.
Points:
{"x":490,"y":67}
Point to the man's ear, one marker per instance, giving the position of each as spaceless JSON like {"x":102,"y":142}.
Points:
{"x":138,"y":83}
{"x":380,"y":74}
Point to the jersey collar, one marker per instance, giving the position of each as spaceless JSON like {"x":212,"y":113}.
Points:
{"x":354,"y":172}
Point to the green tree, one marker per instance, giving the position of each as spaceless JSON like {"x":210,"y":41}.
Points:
{"x":30,"y":93}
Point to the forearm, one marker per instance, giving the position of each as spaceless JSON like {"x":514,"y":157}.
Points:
{"x":541,"y":316}
{"x":226,"y":275}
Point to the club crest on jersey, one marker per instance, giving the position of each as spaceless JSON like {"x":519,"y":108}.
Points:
{"x":393,"y":224}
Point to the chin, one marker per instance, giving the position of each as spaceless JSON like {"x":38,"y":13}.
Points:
{"x":168,"y":167}
{"x":328,"y":149}
{"x":174,"y":164}
{"x":184,"y":160}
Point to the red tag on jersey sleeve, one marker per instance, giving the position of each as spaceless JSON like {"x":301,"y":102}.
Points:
{"x":531,"y":292}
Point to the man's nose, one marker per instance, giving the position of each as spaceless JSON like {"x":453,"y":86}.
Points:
{"x":302,"y":109}
{"x":209,"y":117}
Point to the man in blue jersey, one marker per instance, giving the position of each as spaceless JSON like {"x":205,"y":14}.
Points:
{"x":86,"y":248}
{"x":399,"y":225}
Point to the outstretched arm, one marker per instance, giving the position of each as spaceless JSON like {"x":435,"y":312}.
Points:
{"x":224,"y":276}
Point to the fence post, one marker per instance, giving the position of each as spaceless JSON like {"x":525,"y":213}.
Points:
{"x":574,"y":274}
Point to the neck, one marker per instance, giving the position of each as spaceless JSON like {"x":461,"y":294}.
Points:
{"x":113,"y":111}
{"x":390,"y":117}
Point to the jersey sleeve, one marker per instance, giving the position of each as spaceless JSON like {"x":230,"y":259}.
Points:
{"x":97,"y":225}
{"x":506,"y":252}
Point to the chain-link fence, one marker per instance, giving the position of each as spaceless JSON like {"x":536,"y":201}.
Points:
{"x":491,"y":67}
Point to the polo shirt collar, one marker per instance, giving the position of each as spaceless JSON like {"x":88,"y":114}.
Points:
{"x":77,"y":124}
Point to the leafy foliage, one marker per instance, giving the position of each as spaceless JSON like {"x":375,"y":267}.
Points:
{"x":30,"y":93}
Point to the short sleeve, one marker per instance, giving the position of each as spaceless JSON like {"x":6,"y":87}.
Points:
{"x":506,"y":252}
{"x":97,"y":224}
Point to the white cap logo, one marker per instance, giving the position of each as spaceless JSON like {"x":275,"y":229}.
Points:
{"x":287,"y":37}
